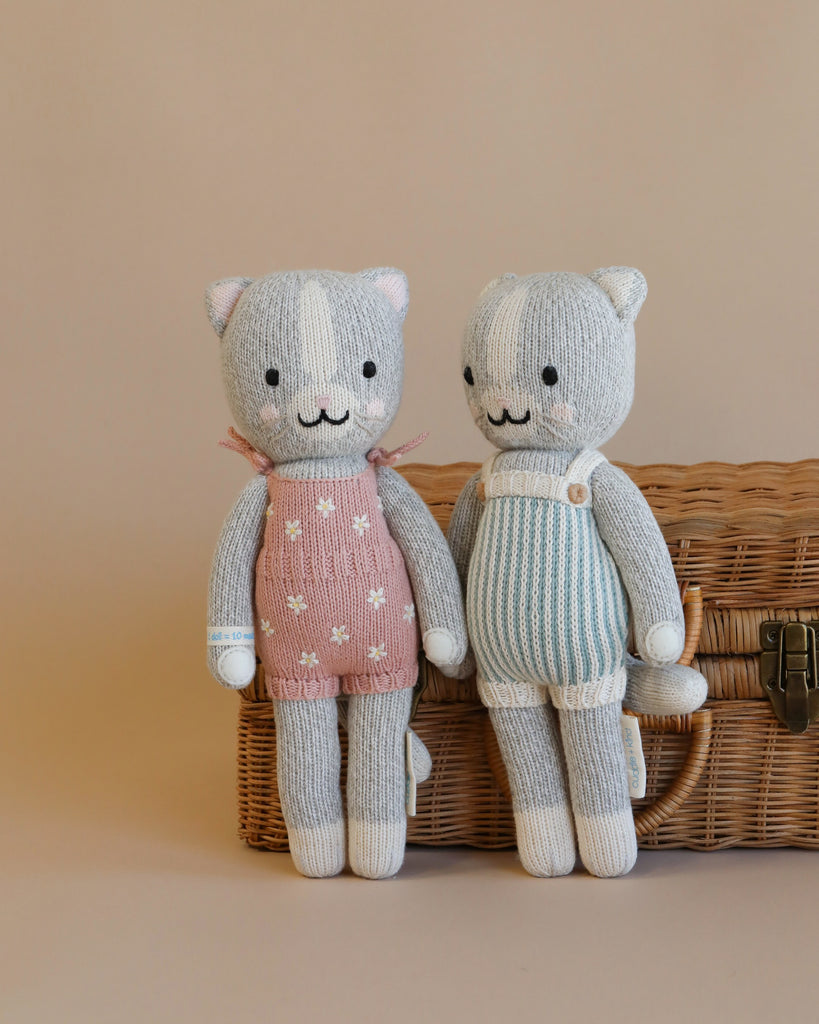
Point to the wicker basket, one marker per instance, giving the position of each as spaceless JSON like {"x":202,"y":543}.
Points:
{"x":728,"y":775}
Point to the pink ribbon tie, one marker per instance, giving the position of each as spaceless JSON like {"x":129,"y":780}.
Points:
{"x":381,"y":457}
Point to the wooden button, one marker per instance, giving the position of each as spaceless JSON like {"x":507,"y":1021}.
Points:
{"x":578,"y":493}
{"x":480,"y":490}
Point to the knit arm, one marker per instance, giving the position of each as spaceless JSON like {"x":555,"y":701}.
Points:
{"x":463,"y":527}
{"x":629,"y":529}
{"x":430,"y":568}
{"x":232,"y":580}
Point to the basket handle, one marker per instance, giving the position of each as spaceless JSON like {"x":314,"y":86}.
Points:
{"x":692,"y":613}
{"x":699,"y":725}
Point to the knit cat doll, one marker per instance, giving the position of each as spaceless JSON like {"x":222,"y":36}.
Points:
{"x":329,"y":560}
{"x":557,"y":549}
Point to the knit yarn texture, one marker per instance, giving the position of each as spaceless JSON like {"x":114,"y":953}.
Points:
{"x":334,"y":604}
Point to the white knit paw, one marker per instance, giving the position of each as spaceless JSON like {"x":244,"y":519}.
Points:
{"x":236,"y":667}
{"x":663,"y":643}
{"x":441,"y":647}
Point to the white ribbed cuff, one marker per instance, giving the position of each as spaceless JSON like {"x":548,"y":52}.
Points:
{"x":595,"y":694}
{"x":503,"y":694}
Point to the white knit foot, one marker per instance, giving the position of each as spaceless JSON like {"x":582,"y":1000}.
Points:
{"x":377,"y":847}
{"x":545,"y":840}
{"x":608,"y":843}
{"x":318,"y":852}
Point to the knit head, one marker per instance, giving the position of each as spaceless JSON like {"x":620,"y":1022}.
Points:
{"x":312,"y":361}
{"x":548,"y":359}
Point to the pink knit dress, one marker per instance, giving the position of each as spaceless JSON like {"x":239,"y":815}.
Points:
{"x":334,"y":606}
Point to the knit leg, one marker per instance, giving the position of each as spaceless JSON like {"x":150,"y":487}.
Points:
{"x":309,"y":764}
{"x":595,"y":760}
{"x":377,"y":724}
{"x":530,"y":746}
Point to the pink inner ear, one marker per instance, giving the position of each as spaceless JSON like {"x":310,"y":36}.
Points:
{"x":224,"y":296}
{"x":394,"y":286}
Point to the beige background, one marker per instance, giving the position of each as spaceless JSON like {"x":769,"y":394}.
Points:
{"x":152,"y":147}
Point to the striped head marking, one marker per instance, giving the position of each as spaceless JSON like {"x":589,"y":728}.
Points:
{"x":548,"y":359}
{"x":312,"y":360}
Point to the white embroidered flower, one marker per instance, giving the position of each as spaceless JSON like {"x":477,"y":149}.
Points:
{"x":377,"y":653}
{"x":340,"y":634}
{"x":297,"y":603}
{"x":292,"y":528}
{"x":267,"y":628}
{"x":376,"y":598}
{"x":309,"y":660}
{"x":269,"y":510}
{"x":325,"y":506}
{"x":409,"y":612}
{"x":360,"y":524}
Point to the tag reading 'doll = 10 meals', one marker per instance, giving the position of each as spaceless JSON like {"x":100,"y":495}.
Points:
{"x":635,"y":761}
{"x":227,"y":636}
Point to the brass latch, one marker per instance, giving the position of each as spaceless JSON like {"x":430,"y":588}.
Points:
{"x":788,"y":669}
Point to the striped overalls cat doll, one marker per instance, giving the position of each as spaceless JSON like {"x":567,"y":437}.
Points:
{"x":329,"y":562}
{"x":558,"y":550}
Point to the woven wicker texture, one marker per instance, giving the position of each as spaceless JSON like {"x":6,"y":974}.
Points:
{"x":728,"y":775}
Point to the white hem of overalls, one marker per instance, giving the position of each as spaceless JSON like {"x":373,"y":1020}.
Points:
{"x":572,"y":697}
{"x":595,"y":694}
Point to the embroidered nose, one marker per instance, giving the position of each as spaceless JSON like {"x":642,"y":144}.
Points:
{"x":504,"y":401}
{"x":322,"y":401}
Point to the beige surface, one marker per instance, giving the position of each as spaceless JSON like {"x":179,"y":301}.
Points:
{"x":152,"y":147}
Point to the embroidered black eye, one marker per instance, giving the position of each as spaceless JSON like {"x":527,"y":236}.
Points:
{"x":272,"y":377}
{"x":549,"y":375}
{"x":468,"y":375}
{"x":369,"y":369}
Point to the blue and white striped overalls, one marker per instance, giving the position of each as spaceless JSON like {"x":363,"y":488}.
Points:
{"x":547,"y":609}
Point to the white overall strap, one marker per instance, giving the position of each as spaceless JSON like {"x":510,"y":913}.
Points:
{"x":488,"y":468}
{"x":486,"y":476}
{"x":577,"y":481}
{"x":583,"y":466}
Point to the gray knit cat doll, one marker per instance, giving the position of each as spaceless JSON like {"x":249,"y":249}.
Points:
{"x":557,"y":549}
{"x":329,"y":562}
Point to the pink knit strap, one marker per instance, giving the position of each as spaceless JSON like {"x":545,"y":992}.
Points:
{"x":258,"y":460}
{"x":381,"y":457}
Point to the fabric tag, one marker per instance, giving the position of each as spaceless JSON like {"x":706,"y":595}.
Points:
{"x":229,"y":636}
{"x":635,"y":762}
{"x":412,"y":784}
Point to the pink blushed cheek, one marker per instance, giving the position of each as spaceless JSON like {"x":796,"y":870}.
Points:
{"x":562,"y":412}
{"x":375,"y":407}
{"x":269,"y":413}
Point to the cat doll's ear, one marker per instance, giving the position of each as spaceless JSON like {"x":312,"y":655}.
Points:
{"x":221,"y":299}
{"x":393,"y":283}
{"x":625,"y":286}
{"x":495,"y":282}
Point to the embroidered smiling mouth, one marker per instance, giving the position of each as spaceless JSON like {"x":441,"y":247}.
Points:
{"x":506,"y":418}
{"x":324,"y":418}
